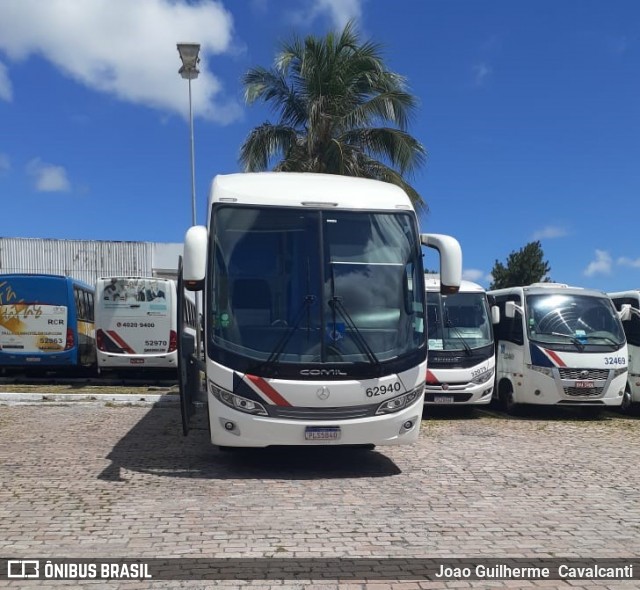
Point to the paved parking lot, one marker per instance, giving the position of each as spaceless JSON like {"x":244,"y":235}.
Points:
{"x":96,"y":480}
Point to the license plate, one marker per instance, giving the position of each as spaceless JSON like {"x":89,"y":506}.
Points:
{"x":136,"y":361}
{"x":585,"y":384}
{"x":443,"y":399}
{"x":322,"y":433}
{"x":33,"y":359}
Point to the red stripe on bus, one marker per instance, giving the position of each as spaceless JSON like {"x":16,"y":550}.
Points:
{"x":555,"y":358}
{"x":269,"y":391}
{"x":431,"y":378}
{"x":120,"y":342}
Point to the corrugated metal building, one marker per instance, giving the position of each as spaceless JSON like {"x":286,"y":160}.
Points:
{"x":88,"y":260}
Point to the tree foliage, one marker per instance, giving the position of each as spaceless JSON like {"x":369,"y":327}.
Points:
{"x":341,"y":111}
{"x":524,"y":267}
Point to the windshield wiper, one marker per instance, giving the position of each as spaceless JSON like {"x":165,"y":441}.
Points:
{"x":607,"y":338}
{"x":574,"y":339}
{"x":278,"y":349}
{"x":336,"y":304}
{"x":449,"y":324}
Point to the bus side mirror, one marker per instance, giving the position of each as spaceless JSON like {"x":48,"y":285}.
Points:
{"x":625,"y":312}
{"x":194,"y":261}
{"x":495,"y":315}
{"x":450,"y":260}
{"x":510,"y":309}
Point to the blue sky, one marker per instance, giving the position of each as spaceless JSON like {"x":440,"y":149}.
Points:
{"x":529,"y":110}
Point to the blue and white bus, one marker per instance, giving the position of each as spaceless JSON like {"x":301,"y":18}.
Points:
{"x":46,"y":322}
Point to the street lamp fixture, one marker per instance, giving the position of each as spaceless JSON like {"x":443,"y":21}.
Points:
{"x":189,"y":56}
{"x":189,"y":71}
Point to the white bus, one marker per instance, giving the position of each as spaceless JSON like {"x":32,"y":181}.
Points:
{"x":136,"y":322}
{"x":559,"y":345}
{"x":631,"y":325}
{"x":461,"y":359}
{"x":314,"y":311}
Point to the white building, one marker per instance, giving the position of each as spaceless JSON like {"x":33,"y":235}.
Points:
{"x":88,"y":260}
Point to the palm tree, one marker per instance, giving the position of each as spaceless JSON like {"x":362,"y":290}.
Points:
{"x":341,"y":112}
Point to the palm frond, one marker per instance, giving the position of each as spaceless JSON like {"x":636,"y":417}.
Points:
{"x":264,"y":143}
{"x":401,"y":149}
{"x":340,"y":111}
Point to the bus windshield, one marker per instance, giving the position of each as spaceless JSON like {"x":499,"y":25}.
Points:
{"x":573,"y":322}
{"x":293,"y":286}
{"x":458,"y":322}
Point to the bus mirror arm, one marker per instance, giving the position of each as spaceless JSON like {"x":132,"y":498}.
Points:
{"x":627,"y":311}
{"x":510,"y":309}
{"x":450,"y":260}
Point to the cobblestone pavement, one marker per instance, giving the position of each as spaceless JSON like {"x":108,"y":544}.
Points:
{"x":107,"y":481}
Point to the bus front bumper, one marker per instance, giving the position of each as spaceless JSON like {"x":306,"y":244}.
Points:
{"x":471,"y":394}
{"x":231,"y":428}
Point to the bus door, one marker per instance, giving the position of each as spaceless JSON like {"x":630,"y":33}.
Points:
{"x":190,"y":368}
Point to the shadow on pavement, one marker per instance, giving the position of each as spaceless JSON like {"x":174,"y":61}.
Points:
{"x":560,"y":413}
{"x":156,"y":445}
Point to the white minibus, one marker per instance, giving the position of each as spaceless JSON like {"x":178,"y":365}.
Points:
{"x":461,"y":359}
{"x":559,"y":345}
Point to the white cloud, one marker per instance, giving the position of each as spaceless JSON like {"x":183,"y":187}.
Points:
{"x":48,"y":178}
{"x":480,"y":73}
{"x":472,"y":274}
{"x":624,"y":261}
{"x":339,"y":11}
{"x":6,"y":90}
{"x":5,"y":163}
{"x":126,"y":49}
{"x":601,"y":265}
{"x":550,"y":232}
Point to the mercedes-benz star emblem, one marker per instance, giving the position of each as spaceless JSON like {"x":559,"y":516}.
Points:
{"x":323,"y":393}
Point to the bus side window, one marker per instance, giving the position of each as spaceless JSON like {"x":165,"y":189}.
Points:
{"x":91,"y":306}
{"x":78,"y":297}
{"x":631,"y":327}
{"x":510,"y":329}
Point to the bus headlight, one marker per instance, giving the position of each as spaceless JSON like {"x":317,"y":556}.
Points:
{"x":400,"y":402}
{"x":548,"y":371}
{"x":620,"y":371}
{"x":242,"y":404}
{"x":483,"y":377}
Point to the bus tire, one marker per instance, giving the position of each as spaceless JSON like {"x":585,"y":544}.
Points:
{"x":626,"y":400}
{"x":505,"y":395}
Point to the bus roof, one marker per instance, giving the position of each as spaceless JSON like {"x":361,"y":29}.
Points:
{"x":629,"y":293}
{"x":44,"y":276}
{"x":545,"y":288}
{"x":125,"y":278}
{"x":432,"y":283}
{"x":298,"y":189}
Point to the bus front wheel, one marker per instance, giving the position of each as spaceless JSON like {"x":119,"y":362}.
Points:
{"x":505,"y":395}
{"x":626,"y":400}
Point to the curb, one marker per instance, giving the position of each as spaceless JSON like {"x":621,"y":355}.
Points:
{"x":102,"y":398}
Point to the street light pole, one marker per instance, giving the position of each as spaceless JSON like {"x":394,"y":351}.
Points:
{"x":189,"y":71}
